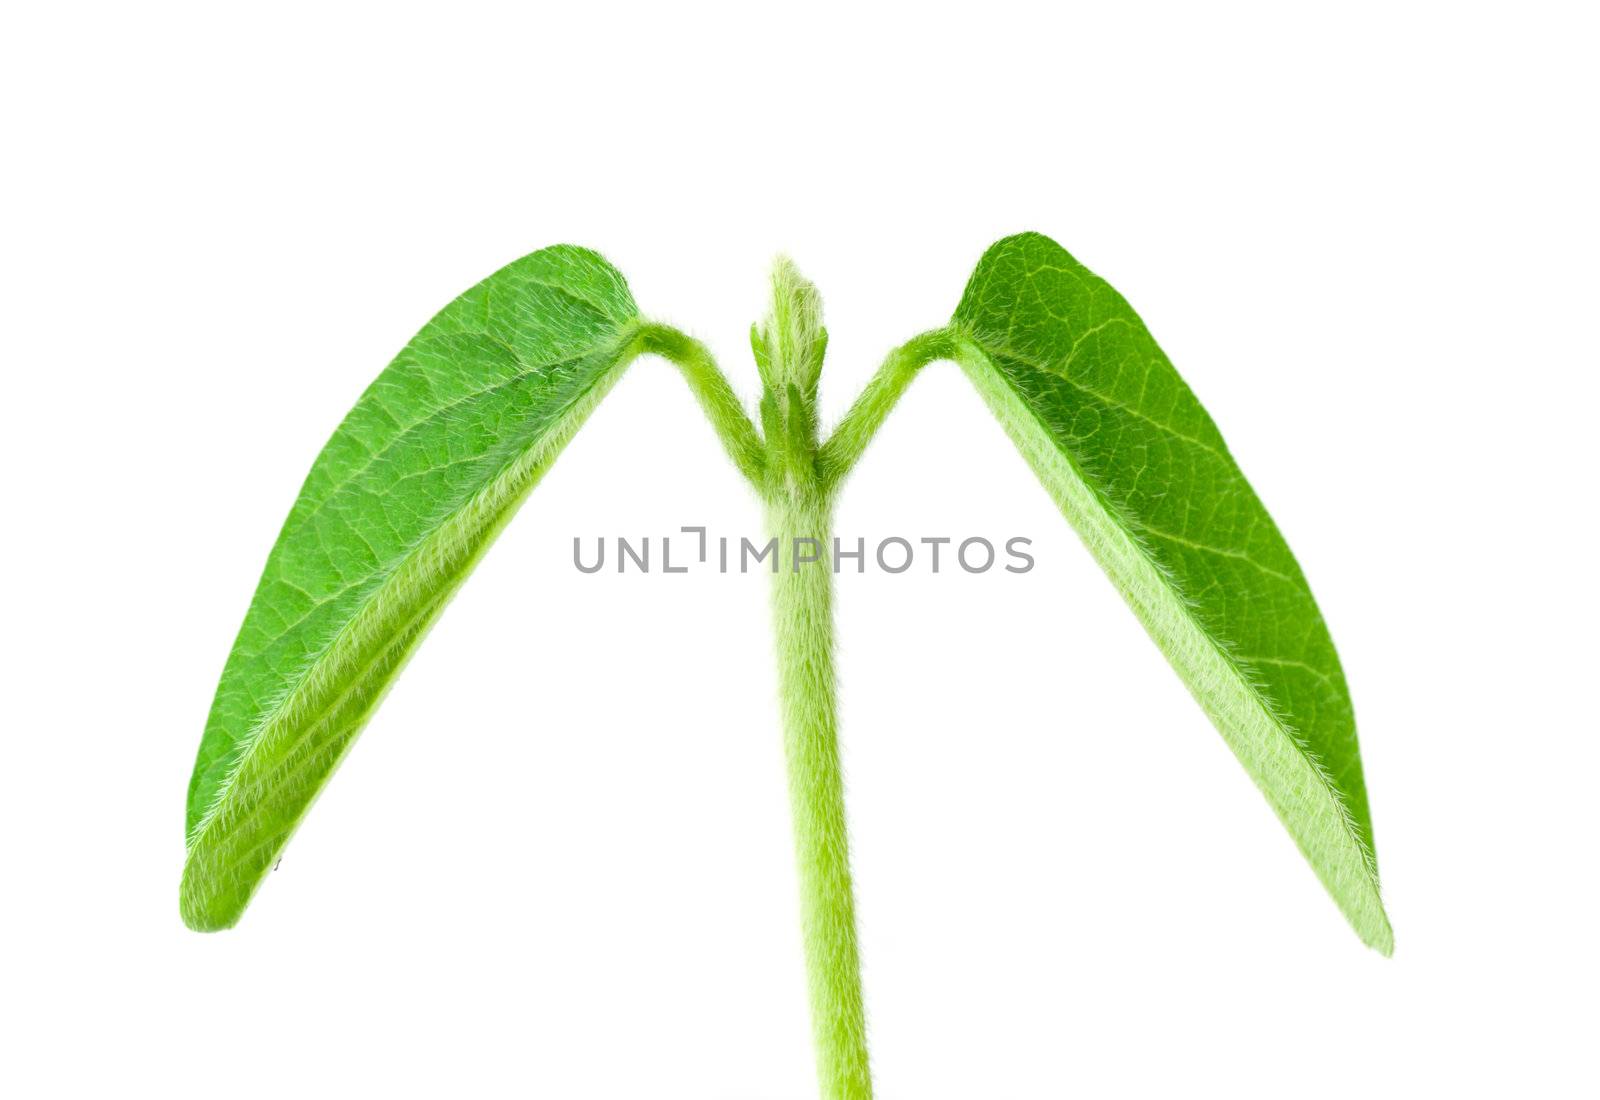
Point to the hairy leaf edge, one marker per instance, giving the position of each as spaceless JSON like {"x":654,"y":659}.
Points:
{"x":482,"y":518}
{"x":1281,"y":764}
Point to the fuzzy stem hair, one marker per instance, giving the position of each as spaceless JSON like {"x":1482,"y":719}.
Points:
{"x":796,"y":481}
{"x":802,"y":608}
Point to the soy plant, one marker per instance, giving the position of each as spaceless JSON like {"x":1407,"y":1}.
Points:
{"x":445,"y":445}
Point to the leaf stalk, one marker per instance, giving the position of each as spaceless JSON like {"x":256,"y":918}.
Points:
{"x":713,"y":392}
{"x":844,"y":447}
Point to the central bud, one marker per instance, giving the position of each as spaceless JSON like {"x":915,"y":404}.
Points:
{"x":789,"y":345}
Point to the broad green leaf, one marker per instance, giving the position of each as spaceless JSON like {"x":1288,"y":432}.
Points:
{"x":1142,"y":474}
{"x":404,"y":499}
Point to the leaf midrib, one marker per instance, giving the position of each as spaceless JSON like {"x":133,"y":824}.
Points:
{"x":618,"y":354}
{"x":404,"y":431}
{"x":1060,"y":372}
{"x":320,"y":719}
{"x":350,"y":479}
{"x":963,"y":336}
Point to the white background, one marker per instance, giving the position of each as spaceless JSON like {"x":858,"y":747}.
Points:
{"x":558,"y":862}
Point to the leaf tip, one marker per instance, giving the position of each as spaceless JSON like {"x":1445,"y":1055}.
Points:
{"x":1380,"y":937}
{"x":1369,"y":920}
{"x":203,"y":906}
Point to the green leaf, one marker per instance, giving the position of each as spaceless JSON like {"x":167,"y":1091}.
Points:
{"x":1142,"y":474}
{"x":404,"y":499}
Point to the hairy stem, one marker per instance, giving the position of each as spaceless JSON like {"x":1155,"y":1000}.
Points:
{"x":711,"y":389}
{"x":789,"y":347}
{"x":838,"y":455}
{"x":800,"y":517}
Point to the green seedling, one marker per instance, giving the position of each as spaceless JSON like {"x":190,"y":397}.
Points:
{"x":444,"y":446}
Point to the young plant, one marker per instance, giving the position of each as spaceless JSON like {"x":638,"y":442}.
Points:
{"x":448,"y":441}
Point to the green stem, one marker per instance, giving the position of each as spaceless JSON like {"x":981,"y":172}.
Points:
{"x":837,"y":457}
{"x":712,"y":390}
{"x":796,"y":480}
{"x":799,"y":516}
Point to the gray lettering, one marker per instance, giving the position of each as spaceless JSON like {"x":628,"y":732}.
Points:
{"x":885,"y":565}
{"x":961,"y":555}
